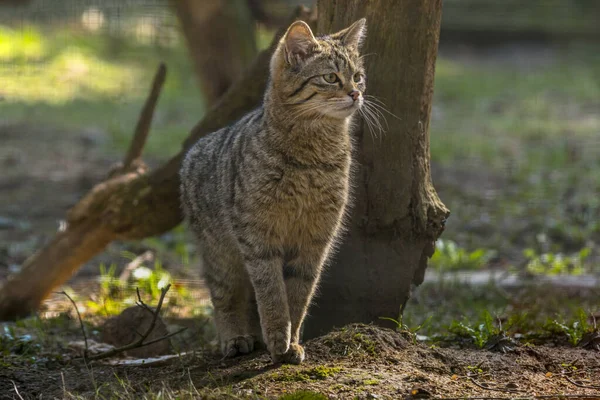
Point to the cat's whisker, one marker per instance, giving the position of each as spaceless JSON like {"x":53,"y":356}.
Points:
{"x":376,"y":117}
{"x":367,"y":121}
{"x":372,"y":123}
{"x":377,"y":113}
{"x":380,"y":104}
{"x":367,"y":55}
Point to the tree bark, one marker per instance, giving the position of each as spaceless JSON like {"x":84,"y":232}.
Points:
{"x":221,"y":41}
{"x":397,"y":215}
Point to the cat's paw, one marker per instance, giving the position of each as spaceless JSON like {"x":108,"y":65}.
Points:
{"x":294,"y":355}
{"x":237,"y":345}
{"x":278,"y":344}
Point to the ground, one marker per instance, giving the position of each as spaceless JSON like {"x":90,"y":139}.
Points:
{"x":358,"y":361}
{"x":514,"y":144}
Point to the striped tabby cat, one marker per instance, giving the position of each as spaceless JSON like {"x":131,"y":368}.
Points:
{"x":266,"y":195}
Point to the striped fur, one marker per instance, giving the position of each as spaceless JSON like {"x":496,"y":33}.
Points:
{"x":266,"y":196}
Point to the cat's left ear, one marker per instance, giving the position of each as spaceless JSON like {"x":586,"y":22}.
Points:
{"x":353,"y":35}
{"x":299,"y":42}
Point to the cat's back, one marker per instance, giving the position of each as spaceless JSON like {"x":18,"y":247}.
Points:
{"x":209,"y":164}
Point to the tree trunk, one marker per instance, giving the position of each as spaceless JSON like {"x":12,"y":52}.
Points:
{"x":221,"y":41}
{"x":397,"y":215}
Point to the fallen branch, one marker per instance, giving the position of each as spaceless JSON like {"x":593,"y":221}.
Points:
{"x":132,"y":205}
{"x":580,"y":384}
{"x":140,"y":342}
{"x":493,"y":388}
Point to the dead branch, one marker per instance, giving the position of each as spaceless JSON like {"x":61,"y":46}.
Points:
{"x":140,"y":342}
{"x":85,"y":351}
{"x":580,"y":384}
{"x":132,"y":205}
{"x":493,"y":388}
{"x":143,"y":126}
{"x":17,"y":390}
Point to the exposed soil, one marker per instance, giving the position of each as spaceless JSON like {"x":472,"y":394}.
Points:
{"x":357,"y":361}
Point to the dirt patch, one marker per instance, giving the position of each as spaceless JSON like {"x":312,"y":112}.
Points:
{"x":357,"y":361}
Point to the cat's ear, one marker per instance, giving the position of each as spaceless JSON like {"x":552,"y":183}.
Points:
{"x":353,"y":35}
{"x":299,"y":42}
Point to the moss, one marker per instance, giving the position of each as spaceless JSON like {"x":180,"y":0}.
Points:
{"x":292,"y":376}
{"x":320,"y":372}
{"x":367,"y":344}
{"x":371,"y":382}
{"x":303,"y":395}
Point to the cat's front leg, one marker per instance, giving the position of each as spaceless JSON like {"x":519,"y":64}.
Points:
{"x":301,"y":275}
{"x":266,"y":273}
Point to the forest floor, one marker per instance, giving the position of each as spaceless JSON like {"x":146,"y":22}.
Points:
{"x":514,"y":145}
{"x":355,"y":362}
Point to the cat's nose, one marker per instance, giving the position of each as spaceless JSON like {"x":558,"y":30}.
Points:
{"x":355,"y":94}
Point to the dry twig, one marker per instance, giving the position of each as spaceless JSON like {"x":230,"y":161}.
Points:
{"x":143,"y":126}
{"x":140,"y":342}
{"x":85,"y":351}
{"x":580,"y":384}
{"x":495,"y":388}
{"x":17,"y":390}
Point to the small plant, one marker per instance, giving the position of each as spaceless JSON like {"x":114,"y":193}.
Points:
{"x":556,"y":263}
{"x":403,"y":328}
{"x":371,"y":382}
{"x":116,"y":294}
{"x":574,"y":329}
{"x":478,"y":333}
{"x":449,"y":256}
{"x":109,"y":299}
{"x":474,"y":369}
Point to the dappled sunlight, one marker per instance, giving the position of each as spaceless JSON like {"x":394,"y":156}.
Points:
{"x":26,"y":44}
{"x":70,"y":74}
{"x":92,"y":19}
{"x":94,"y":81}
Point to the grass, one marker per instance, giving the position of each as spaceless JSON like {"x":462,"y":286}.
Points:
{"x":452,"y":309}
{"x":293,"y":374}
{"x":449,"y":256}
{"x":525,"y":142}
{"x":81,"y":81}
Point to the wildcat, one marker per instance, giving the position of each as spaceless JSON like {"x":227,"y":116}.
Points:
{"x":266,"y":196}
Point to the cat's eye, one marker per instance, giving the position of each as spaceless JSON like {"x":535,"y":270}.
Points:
{"x":330,"y":78}
{"x":357,"y":77}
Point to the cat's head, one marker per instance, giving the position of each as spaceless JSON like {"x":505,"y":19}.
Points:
{"x":320,"y":75}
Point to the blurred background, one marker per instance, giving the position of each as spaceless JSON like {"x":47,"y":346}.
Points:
{"x":515,"y":144}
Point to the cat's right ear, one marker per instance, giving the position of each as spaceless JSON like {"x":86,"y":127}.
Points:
{"x":299,"y":43}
